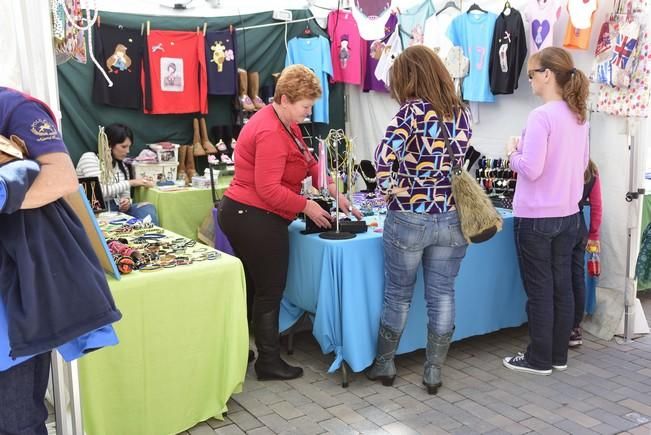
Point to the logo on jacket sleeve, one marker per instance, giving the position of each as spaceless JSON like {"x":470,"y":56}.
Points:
{"x":44,"y":130}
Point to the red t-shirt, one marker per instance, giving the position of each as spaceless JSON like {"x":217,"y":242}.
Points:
{"x":269,"y":167}
{"x":174,"y":76}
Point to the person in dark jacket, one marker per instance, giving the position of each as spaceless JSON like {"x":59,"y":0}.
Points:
{"x":52,"y":287}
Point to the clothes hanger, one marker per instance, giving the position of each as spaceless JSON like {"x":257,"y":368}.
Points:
{"x":507,"y":8}
{"x":476,"y":7}
{"x":450,"y":4}
{"x":307,"y":32}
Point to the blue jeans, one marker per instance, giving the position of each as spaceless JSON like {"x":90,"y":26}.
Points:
{"x":138,"y":210}
{"x":437,"y":241}
{"x":544,"y":248}
{"x":22,"y":397}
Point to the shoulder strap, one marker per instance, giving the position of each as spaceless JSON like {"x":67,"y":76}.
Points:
{"x":453,"y":164}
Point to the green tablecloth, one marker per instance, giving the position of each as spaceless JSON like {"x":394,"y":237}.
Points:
{"x":182,"y":211}
{"x":182,"y":353}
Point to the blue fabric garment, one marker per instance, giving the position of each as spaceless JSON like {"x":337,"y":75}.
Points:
{"x":342,"y":283}
{"x":412,"y":23}
{"x":474,"y":33}
{"x":314,"y":53}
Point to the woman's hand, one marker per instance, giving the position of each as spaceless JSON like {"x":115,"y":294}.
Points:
{"x":144,"y":182}
{"x":124,"y":205}
{"x":593,"y":244}
{"x":319,"y":216}
{"x":345,"y":207}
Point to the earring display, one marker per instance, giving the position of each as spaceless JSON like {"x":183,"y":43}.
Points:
{"x":93,"y":190}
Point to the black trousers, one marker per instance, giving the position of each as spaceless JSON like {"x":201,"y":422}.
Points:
{"x":261,"y":241}
{"x":22,"y":397}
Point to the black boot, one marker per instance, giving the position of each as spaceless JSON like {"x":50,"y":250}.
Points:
{"x":269,"y":365}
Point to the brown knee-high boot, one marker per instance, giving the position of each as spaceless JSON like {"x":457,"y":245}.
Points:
{"x":196,"y":139}
{"x":254,"y":88}
{"x":190,"y":170}
{"x":180,"y":169}
{"x":205,"y":141}
{"x":245,"y":101}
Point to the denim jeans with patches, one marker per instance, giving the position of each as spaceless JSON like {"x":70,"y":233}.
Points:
{"x":436,"y":241}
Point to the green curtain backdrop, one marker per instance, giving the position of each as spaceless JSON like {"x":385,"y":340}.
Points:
{"x":260,"y":50}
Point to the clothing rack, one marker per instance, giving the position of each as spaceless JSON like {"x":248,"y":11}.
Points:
{"x":281,"y":23}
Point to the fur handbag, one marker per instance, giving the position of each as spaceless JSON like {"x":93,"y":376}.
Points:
{"x":479,"y":219}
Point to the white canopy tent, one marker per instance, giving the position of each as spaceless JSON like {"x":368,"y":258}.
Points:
{"x":618,"y":146}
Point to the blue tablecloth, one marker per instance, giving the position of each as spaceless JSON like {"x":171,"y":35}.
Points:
{"x":342,"y":284}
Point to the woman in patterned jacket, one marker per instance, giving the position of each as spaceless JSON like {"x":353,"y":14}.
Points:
{"x":422,"y":225}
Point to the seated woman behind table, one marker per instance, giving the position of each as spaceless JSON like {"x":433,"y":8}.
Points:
{"x":113,"y":146}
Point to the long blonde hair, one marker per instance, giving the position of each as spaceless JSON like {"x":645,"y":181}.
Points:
{"x":573,"y":82}
{"x":418,"y":72}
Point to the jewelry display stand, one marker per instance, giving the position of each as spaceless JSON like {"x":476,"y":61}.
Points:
{"x":335,"y":137}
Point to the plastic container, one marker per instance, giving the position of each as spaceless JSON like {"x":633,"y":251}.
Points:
{"x":166,"y":154}
{"x":154,"y":171}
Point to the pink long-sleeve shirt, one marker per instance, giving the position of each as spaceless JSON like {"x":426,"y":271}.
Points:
{"x":550,"y":161}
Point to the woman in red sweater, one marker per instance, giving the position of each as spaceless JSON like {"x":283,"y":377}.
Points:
{"x":586,"y":239}
{"x":264,"y":197}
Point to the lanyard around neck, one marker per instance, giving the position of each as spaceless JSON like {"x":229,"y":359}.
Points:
{"x":291,"y":134}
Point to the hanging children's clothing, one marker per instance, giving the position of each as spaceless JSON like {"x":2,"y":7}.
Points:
{"x":119,"y":50}
{"x":370,"y":16}
{"x":174,"y":74}
{"x":541,"y":16}
{"x":374,"y":53}
{"x":579,"y":26}
{"x":412,"y":23}
{"x":314,"y":53}
{"x":436,"y":29}
{"x":392,"y":48}
{"x":221,"y":64}
{"x":474,"y":33}
{"x":508,"y":53}
{"x":348,"y":49}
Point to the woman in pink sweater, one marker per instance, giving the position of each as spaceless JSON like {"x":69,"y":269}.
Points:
{"x":550,"y":160}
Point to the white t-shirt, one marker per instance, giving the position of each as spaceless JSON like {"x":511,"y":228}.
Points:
{"x":436,"y":29}
{"x":581,"y":12}
{"x":371,"y":16}
{"x":541,"y":15}
{"x":392,"y":49}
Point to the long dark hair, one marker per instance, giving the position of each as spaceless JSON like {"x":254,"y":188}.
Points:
{"x":118,"y":133}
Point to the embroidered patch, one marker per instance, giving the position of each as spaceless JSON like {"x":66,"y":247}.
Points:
{"x":44,"y":130}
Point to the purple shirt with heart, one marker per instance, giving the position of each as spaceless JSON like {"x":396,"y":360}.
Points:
{"x":541,"y":16}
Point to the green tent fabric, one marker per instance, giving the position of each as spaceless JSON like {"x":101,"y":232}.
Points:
{"x":261,"y":49}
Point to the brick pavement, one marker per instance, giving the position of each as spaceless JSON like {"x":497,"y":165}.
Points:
{"x":606,"y":390}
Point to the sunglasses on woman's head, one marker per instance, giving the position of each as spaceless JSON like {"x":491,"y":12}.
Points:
{"x":531,"y":71}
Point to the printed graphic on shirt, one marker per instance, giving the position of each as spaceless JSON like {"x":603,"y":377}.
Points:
{"x":540,"y":30}
{"x":344,"y":52}
{"x":372,"y":8}
{"x":44,"y":130}
{"x":172,"y":78}
{"x":504,"y":42}
{"x":119,"y":60}
{"x":220,"y":55}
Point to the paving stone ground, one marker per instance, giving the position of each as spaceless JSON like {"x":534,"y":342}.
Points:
{"x":606,"y":390}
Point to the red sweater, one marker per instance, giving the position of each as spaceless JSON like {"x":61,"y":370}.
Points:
{"x":269,"y":167}
{"x":595,"y":209}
